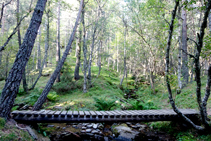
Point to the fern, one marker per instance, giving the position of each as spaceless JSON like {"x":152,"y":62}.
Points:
{"x":103,"y":104}
{"x":139,"y":105}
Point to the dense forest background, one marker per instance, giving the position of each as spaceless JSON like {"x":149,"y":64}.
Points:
{"x":116,"y":54}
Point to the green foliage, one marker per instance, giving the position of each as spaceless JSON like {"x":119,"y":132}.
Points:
{"x":104,"y":104}
{"x":33,"y":96}
{"x":21,"y":92}
{"x":140,"y":105}
{"x":52,"y":96}
{"x":2,"y":123}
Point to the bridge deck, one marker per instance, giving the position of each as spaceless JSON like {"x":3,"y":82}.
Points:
{"x":48,"y":116}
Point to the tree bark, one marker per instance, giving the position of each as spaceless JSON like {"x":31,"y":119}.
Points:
{"x":13,"y":81}
{"x":179,"y":52}
{"x":47,"y":26}
{"x":89,"y":77}
{"x":78,"y":56}
{"x":50,"y":83}
{"x":19,"y":42}
{"x":58,"y":41}
{"x":38,"y":65}
{"x":125,"y":67}
{"x":84,"y":50}
{"x":185,"y":70}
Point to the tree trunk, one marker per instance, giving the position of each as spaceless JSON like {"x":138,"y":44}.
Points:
{"x":38,"y":65}
{"x":99,"y":57}
{"x":84,"y":50}
{"x":185,"y":70}
{"x":89,"y":77}
{"x":46,"y":39}
{"x":50,"y":83}
{"x":58,"y":41}
{"x":78,"y":56}
{"x":125,"y":67}
{"x":179,"y":52}
{"x":13,"y":81}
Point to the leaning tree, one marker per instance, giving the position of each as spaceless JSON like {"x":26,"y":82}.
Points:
{"x":13,"y":81}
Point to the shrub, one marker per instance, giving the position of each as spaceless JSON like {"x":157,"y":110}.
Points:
{"x":52,"y":96}
{"x":104,"y":104}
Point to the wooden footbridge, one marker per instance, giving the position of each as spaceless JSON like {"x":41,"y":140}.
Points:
{"x":48,"y":116}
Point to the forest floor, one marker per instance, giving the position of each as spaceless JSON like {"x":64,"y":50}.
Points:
{"x":68,"y":95}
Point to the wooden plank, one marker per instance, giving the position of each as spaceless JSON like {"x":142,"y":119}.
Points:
{"x":117,"y":115}
{"x":87,"y":114}
{"x":111,"y":115}
{"x":105,"y":115}
{"x":63,"y":113}
{"x":122,"y":115}
{"x":128,"y":115}
{"x":29,"y":113}
{"x":94,"y":115}
{"x":38,"y":113}
{"x":15,"y":113}
{"x":99,"y":114}
{"x":69,"y":114}
{"x":81,"y":114}
{"x":43,"y":114}
{"x":22,"y":113}
{"x":57,"y":113}
{"x":50,"y":114}
{"x":75,"y":114}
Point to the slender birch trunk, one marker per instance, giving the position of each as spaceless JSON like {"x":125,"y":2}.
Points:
{"x":125,"y":67}
{"x":58,"y":41}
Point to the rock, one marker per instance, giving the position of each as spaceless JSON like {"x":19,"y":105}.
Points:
{"x":64,"y":128}
{"x":100,"y":126}
{"x":142,"y":127}
{"x":74,"y":126}
{"x":83,"y":127}
{"x":95,"y":126}
{"x":57,"y":127}
{"x":94,"y":132}
{"x":89,"y":126}
{"x":128,"y":123}
{"x":105,"y":138}
{"x":123,"y":132}
{"x":98,"y":137}
{"x":50,"y":126}
{"x":84,"y":124}
{"x":135,"y":127}
{"x":98,"y":130}
{"x":90,"y":134}
{"x":88,"y":130}
{"x":83,"y":131}
{"x":138,"y":124}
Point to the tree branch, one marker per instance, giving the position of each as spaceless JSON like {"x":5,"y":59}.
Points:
{"x":193,"y":41}
{"x":2,"y":11}
{"x":192,"y":56}
{"x":14,"y":31}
